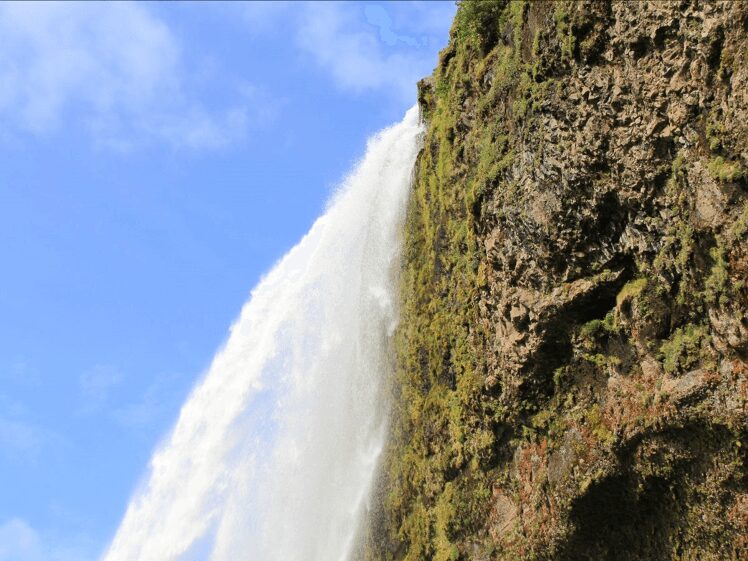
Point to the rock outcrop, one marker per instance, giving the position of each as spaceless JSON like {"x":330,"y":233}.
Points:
{"x":572,"y":379}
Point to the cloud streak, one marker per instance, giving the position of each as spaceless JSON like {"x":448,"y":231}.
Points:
{"x":20,"y":440}
{"x":97,"y":382}
{"x":120,"y":72}
{"x":384,"y":53}
{"x":149,"y":408}
{"x":20,"y":542}
{"x":114,"y":68}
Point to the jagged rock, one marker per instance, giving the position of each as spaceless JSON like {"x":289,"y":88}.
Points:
{"x":572,"y":380}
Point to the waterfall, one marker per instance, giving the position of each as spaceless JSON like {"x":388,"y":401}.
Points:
{"x":274,"y":453}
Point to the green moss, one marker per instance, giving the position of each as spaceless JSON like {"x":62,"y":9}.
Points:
{"x":475,"y":21}
{"x":597,"y":426}
{"x":601,"y":360}
{"x":560,"y":377}
{"x":740,"y":228}
{"x":541,"y":419}
{"x":596,"y":328}
{"x":675,"y":257}
{"x":714,"y":131}
{"x":725,"y":170}
{"x":716,"y":285}
{"x":564,"y":34}
{"x":683,"y":349}
{"x":591,"y":329}
{"x":440,"y":369}
{"x":679,"y":167}
{"x":445,"y":513}
{"x":630,"y":290}
{"x":417,"y":529}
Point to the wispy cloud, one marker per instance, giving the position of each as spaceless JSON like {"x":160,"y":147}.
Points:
{"x":142,"y":412}
{"x":20,"y":542}
{"x":23,"y":439}
{"x":114,"y":68}
{"x":119,"y":71}
{"x":138,"y":414}
{"x":364,"y":48}
{"x":355,"y":57}
{"x":17,"y":540}
{"x":378,"y":16}
{"x":97,"y":383}
{"x":19,"y":372}
{"x":20,"y":440}
{"x":101,"y":391}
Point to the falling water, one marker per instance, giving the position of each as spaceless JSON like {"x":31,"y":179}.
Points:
{"x":274,"y":453}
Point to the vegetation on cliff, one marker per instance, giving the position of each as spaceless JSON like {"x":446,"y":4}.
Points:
{"x":571,"y":379}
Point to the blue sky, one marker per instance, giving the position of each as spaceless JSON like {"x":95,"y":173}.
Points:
{"x":155,"y":160}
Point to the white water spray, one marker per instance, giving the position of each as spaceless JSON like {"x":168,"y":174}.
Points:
{"x":274,"y":453}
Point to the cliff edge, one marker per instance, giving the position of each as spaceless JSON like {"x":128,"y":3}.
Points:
{"x":572,"y":380}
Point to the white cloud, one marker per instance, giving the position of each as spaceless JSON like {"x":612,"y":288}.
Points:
{"x":355,"y":58}
{"x":120,"y":72}
{"x":97,"y":383}
{"x":17,"y":540}
{"x":140,"y":413}
{"x":20,"y":542}
{"x":100,"y":395}
{"x":20,"y":440}
{"x":152,"y":406}
{"x":114,"y":68}
{"x":378,"y":16}
{"x":19,"y":372}
{"x":381,"y":55}
{"x":432,"y":19}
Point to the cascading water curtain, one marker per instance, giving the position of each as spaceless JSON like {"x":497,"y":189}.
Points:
{"x":274,"y":453}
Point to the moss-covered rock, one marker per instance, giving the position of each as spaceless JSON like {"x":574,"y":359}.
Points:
{"x":571,"y":379}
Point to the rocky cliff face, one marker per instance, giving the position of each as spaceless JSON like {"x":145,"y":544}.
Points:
{"x":572,"y":379}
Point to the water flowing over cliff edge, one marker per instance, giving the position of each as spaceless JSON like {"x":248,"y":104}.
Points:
{"x":274,"y":453}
